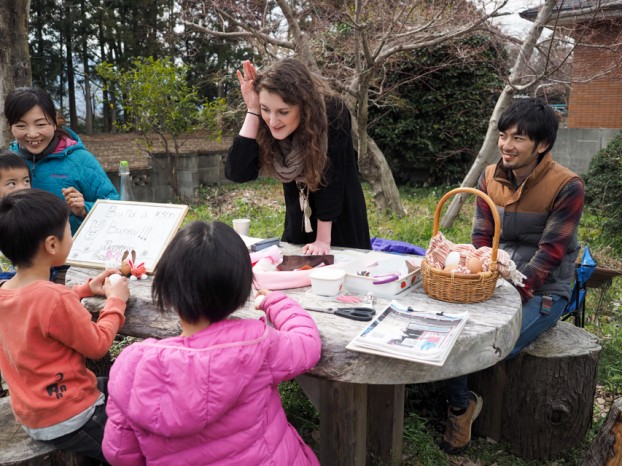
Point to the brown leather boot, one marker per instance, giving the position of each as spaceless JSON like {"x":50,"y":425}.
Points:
{"x":458,"y":432}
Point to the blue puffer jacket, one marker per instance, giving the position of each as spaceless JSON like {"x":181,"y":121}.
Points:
{"x":74,"y":166}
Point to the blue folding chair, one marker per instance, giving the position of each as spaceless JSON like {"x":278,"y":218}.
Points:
{"x":576,"y":304}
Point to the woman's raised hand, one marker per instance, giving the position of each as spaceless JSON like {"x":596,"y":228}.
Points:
{"x":251,"y":97}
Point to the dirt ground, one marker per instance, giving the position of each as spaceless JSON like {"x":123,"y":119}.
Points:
{"x":111,"y":148}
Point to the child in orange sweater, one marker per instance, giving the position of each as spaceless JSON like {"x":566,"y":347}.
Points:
{"x":46,"y":333}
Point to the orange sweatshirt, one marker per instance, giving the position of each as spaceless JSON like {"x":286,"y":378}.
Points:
{"x":45,"y":336}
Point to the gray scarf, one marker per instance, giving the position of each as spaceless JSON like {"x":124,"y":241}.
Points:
{"x":288,"y":168}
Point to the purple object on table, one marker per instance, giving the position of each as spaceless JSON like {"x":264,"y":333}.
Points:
{"x":391,"y":245}
{"x":386,"y":278}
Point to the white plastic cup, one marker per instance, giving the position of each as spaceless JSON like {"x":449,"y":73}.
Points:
{"x":242,"y":226}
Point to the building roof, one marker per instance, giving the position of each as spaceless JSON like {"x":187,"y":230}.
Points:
{"x":571,"y":10}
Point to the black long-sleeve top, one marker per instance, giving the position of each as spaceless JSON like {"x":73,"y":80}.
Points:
{"x":340,"y":200}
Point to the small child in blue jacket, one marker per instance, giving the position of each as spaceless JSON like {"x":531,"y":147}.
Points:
{"x":14,"y":175}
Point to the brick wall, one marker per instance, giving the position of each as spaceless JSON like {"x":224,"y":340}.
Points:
{"x":597,"y":103}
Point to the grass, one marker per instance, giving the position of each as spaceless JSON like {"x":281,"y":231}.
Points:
{"x":262,"y":202}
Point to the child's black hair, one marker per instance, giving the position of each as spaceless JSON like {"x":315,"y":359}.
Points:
{"x":533,"y":118}
{"x":205,"y":272}
{"x":10,"y":160}
{"x":27,"y":218}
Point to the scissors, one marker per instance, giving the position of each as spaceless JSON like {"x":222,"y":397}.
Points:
{"x":355,"y":313}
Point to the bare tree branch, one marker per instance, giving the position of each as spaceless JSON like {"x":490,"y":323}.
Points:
{"x":488,"y":150}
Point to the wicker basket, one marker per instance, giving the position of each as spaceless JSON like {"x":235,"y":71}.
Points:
{"x":462,"y":288}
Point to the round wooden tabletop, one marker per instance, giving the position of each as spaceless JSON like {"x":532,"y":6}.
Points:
{"x":488,"y":337}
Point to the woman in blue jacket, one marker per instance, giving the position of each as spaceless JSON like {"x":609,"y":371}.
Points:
{"x":58,"y":161}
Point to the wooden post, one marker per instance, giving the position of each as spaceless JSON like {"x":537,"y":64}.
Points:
{"x":607,"y":446}
{"x":547,"y":394}
{"x":385,"y":444}
{"x":343,"y":423}
{"x":385,"y":407}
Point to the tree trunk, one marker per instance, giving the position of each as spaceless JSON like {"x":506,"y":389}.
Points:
{"x":485,"y":156}
{"x":88,"y":102}
{"x":14,"y":55}
{"x":541,"y":402}
{"x":106,"y":111}
{"x":488,"y":151}
{"x":372,"y":162}
{"x":375,"y":169}
{"x":71,"y":79}
{"x":607,"y":446}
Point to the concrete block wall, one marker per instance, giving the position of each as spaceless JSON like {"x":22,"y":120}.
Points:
{"x":194,"y":169}
{"x":575,"y":147}
{"x":211,"y":169}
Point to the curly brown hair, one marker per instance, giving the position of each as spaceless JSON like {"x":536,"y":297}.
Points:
{"x":296,"y":85}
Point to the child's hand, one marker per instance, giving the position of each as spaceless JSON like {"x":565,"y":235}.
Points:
{"x":103,"y":285}
{"x":97,"y":283}
{"x":116,"y":286}
{"x":259,"y":297}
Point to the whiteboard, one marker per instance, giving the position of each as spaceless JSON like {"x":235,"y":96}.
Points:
{"x":112,"y":227}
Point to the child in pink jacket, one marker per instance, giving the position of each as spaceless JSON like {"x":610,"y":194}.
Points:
{"x":209,"y":396}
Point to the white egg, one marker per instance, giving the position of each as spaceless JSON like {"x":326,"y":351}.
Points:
{"x":453,"y":258}
{"x":258,"y":300}
{"x":114,"y":278}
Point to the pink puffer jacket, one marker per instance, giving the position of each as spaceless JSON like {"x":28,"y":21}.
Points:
{"x":212,"y":398}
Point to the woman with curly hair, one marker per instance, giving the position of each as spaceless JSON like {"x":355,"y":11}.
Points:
{"x":296,"y":131}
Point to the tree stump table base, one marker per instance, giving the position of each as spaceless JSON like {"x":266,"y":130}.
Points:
{"x":607,"y":446}
{"x":541,"y":402}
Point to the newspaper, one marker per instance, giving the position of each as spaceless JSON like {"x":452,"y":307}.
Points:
{"x":405,"y":333}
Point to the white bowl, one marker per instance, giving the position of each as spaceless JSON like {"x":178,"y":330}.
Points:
{"x":327,"y":281}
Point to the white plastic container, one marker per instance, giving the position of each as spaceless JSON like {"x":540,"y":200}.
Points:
{"x":382,"y":263}
{"x":327,"y":281}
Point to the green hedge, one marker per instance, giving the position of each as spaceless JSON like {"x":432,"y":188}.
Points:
{"x":431,"y":129}
{"x":603,"y":188}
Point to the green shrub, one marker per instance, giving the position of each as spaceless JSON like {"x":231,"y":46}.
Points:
{"x":603,"y":193}
{"x":162,"y":107}
{"x":431,"y":128}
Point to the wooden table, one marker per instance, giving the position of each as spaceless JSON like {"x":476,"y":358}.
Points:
{"x":360,"y":397}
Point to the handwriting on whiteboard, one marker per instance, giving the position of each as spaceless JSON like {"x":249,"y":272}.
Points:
{"x":113,"y":227}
